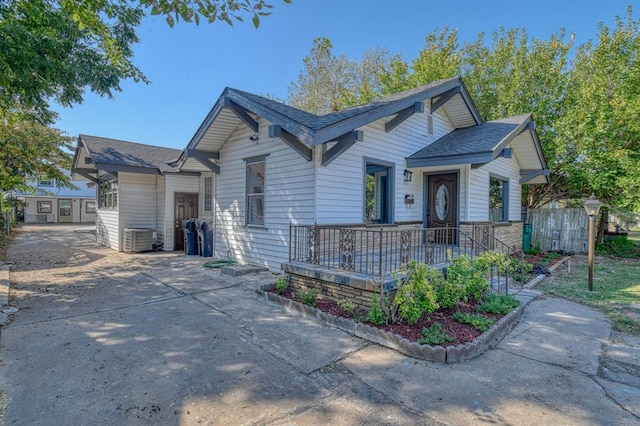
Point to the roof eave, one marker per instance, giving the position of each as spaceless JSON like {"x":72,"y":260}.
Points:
{"x":450,"y":160}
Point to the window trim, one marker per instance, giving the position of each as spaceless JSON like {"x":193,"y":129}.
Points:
{"x":207,"y":199}
{"x":108,"y":194}
{"x":391,"y":187}
{"x":86,"y":207}
{"x":45,"y":182}
{"x":505,"y":197}
{"x":42,"y":210}
{"x":250,"y":161}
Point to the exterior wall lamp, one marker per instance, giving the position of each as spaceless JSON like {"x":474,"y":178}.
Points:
{"x":592,"y":207}
{"x":408,"y":175}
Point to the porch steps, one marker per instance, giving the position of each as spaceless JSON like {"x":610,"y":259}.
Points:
{"x":238,"y":270}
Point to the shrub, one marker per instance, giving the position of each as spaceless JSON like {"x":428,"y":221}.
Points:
{"x":347,"y":305}
{"x":477,"y":321}
{"x":435,"y":335}
{"x":469,"y":275}
{"x":500,"y":304}
{"x":376,"y":315}
{"x":619,"y":246}
{"x":532,"y":251}
{"x":281,"y":285}
{"x":415,"y":296}
{"x":309,"y":297}
{"x":448,"y":292}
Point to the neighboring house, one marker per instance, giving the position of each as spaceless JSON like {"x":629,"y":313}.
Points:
{"x":52,"y":204}
{"x":255,"y":167}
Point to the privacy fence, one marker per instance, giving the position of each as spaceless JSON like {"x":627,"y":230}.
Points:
{"x":559,"y":229}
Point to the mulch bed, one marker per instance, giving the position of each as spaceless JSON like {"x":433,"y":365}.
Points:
{"x":461,"y":333}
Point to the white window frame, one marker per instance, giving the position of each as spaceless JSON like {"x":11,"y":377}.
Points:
{"x":45,"y":182}
{"x":505,"y":198}
{"x":251,"y":195}
{"x":208,"y":194}
{"x":42,"y":209}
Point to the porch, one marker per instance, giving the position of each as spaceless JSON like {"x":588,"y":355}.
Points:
{"x":343,"y":261}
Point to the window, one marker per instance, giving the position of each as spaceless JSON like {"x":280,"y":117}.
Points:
{"x":498,"y":200}
{"x":108,"y":194}
{"x":44,"y":207}
{"x":208,"y":194}
{"x":255,"y":191}
{"x":90,"y":206}
{"x":378,"y":191}
{"x":45,"y":181}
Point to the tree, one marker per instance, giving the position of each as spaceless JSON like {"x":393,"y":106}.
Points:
{"x":55,"y":50}
{"x":601,"y":131}
{"x":328,"y":83}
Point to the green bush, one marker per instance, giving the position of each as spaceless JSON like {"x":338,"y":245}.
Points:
{"x":309,"y":297}
{"x":434,"y":335}
{"x":532,"y":251}
{"x":281,"y":285}
{"x":448,"y":292}
{"x":477,"y":321}
{"x":376,"y":315}
{"x":500,"y":304}
{"x":619,"y":246}
{"x":347,"y":305}
{"x":471,"y":275}
{"x":416,"y":295}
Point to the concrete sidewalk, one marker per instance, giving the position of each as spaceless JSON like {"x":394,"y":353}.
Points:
{"x":104,"y":337}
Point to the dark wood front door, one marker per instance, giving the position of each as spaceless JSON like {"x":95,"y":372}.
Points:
{"x":442,"y":203}
{"x":186,"y":207}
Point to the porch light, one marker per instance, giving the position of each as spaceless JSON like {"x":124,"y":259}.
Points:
{"x":592,"y":207}
{"x":408,"y":175}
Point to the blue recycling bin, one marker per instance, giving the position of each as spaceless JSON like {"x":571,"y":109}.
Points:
{"x":190,"y":237}
{"x":207,"y":240}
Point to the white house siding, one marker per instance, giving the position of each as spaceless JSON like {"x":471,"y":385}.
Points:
{"x":506,"y":168}
{"x":107,"y":232}
{"x":176,"y":183}
{"x":289,"y":194}
{"x":160,"y":209}
{"x":340,"y":193}
{"x":136,"y":201}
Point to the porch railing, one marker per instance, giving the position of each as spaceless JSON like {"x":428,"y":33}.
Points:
{"x":381,"y":251}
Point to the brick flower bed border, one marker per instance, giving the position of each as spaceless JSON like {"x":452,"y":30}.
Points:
{"x":450,"y":354}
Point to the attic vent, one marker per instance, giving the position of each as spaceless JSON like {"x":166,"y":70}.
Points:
{"x":429,"y":124}
{"x":137,"y":240}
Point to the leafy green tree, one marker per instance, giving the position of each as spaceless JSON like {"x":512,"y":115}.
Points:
{"x":54,"y":50}
{"x":328,"y":83}
{"x":601,"y":131}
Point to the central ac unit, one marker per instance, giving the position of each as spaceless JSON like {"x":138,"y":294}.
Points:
{"x":137,"y":240}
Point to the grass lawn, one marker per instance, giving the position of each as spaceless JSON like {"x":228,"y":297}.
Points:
{"x":616,"y":288}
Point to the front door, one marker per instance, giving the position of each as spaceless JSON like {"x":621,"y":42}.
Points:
{"x":64,"y":211}
{"x":186,"y":207}
{"x":442,"y":204}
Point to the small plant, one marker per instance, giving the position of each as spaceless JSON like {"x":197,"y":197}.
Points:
{"x":435,"y":335}
{"x":500,"y":304}
{"x":308,"y":297}
{"x":469,"y":275}
{"x":376,"y":316}
{"x":448,"y":292}
{"x":416,"y":295}
{"x":532,"y":251}
{"x":281,"y":285}
{"x":477,"y":321}
{"x":347,"y":305}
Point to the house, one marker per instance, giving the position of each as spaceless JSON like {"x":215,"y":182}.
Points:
{"x":50,"y":203}
{"x":266,"y":175}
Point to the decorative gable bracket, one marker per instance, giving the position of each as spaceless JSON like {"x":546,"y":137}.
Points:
{"x":527,"y":175}
{"x":241,"y":113}
{"x":418,"y":107}
{"x":444,"y":98}
{"x":204,"y":158}
{"x":276,"y":131}
{"x":344,"y":142}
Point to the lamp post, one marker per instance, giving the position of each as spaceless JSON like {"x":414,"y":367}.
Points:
{"x":592,"y":206}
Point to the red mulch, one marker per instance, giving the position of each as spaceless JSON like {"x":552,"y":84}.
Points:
{"x":461,"y":333}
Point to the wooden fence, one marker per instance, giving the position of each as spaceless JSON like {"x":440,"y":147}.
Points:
{"x":559,"y":229}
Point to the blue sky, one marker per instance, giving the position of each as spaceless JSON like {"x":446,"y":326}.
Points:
{"x":189,"y":65}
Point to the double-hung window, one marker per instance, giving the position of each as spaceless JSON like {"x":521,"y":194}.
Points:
{"x":255,"y":190}
{"x":208,"y":194}
{"x":498,"y":200}
{"x":108,"y":194}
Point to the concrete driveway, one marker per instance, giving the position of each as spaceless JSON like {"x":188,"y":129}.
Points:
{"x":110,"y":338}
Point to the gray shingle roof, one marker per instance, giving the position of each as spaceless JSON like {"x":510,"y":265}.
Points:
{"x":113,"y":152}
{"x":483,"y":138}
